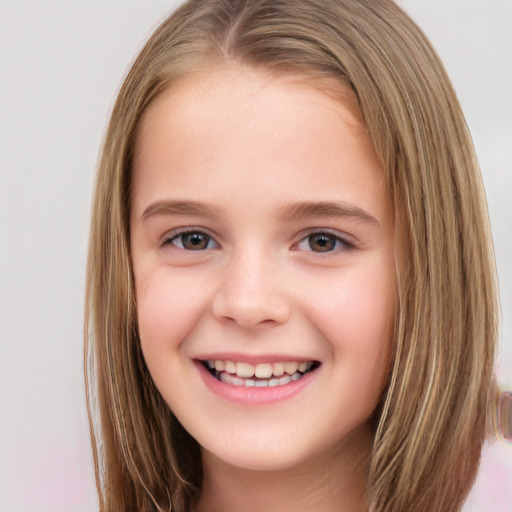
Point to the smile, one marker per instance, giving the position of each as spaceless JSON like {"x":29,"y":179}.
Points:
{"x":259,"y":375}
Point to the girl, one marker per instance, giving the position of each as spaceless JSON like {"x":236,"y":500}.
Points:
{"x":291,"y":297}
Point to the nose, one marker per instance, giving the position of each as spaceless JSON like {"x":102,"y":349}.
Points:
{"x":251,"y":292}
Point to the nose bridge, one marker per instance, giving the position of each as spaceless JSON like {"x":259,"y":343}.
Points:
{"x":250,"y":292}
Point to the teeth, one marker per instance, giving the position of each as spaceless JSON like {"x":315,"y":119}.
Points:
{"x":263,"y":371}
{"x":226,"y":377}
{"x":278,"y":369}
{"x":291,"y":368}
{"x":262,"y":383}
{"x":265,"y":374}
{"x":285,"y":380}
{"x":230,"y":367}
{"x":245,"y":370}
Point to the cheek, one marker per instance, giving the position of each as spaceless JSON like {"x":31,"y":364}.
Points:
{"x":168,"y":306}
{"x":355,"y":315}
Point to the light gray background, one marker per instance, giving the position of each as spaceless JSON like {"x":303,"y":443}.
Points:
{"x":61,"y":63}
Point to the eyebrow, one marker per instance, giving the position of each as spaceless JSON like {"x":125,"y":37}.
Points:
{"x":173,"y":207}
{"x":302,"y":210}
{"x":292,"y":211}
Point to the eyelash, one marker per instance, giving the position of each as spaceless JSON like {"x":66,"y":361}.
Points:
{"x":340,"y":243}
{"x":177,"y":235}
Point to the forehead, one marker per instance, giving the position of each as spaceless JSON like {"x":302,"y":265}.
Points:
{"x":236,"y":130}
{"x":197,"y":94}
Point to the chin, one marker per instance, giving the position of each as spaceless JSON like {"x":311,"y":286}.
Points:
{"x":290,"y":454}
{"x":269,"y":460}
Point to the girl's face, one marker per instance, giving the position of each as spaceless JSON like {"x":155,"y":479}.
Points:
{"x":263,"y":253}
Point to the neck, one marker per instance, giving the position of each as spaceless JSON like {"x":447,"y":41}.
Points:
{"x":332,"y":482}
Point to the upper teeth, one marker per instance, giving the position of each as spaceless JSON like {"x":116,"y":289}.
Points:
{"x":261,"y":371}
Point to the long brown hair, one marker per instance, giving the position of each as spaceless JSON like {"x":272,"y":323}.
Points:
{"x":431,"y":421}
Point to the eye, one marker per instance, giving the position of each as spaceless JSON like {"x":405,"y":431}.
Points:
{"x":323,"y":241}
{"x":191,"y":241}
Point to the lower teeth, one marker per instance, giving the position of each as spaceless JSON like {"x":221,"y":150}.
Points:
{"x":237,"y":381}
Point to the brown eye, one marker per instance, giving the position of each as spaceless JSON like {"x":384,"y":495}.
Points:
{"x":192,"y":241}
{"x":322,"y":242}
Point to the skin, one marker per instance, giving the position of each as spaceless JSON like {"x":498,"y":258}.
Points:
{"x":244,"y":146}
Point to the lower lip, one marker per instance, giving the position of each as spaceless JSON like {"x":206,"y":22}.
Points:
{"x":243,"y":395}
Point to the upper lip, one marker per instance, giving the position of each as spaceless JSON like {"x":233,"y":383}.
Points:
{"x":253,"y":358}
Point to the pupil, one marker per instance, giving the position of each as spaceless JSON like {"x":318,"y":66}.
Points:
{"x":321,"y":242}
{"x":195,"y":241}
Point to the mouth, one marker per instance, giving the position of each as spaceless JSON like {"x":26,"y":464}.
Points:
{"x":264,"y":375}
